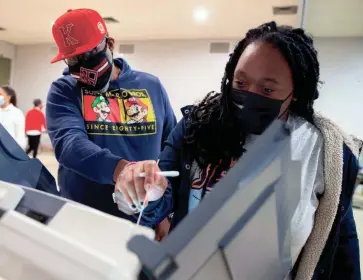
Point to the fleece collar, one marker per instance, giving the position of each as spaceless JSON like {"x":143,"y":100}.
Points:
{"x":334,"y":138}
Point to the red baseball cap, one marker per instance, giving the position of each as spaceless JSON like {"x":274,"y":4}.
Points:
{"x":77,"y":31}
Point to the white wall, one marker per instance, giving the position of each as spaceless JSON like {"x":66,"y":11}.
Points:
{"x":188,"y":72}
{"x":33,"y":73}
{"x":341,"y":95}
{"x":186,"y":68}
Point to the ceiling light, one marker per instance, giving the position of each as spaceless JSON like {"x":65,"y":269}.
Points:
{"x":200,"y":14}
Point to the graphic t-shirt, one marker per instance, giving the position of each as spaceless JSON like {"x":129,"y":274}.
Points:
{"x":118,"y":112}
{"x":203,"y":181}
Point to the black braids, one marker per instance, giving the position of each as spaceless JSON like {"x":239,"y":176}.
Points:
{"x":228,"y":73}
{"x":313,"y":63}
{"x":201,"y":114}
{"x":211,"y":133}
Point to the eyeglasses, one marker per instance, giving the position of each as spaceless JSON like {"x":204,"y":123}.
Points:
{"x":87,"y":55}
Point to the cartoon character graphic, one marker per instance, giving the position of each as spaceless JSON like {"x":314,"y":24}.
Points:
{"x":136,"y":110}
{"x":101,"y":107}
{"x":126,"y":112}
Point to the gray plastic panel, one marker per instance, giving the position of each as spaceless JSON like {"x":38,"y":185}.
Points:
{"x":252,"y":210}
{"x":254,"y":251}
{"x":253,"y":162}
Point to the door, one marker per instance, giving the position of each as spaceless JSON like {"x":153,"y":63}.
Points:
{"x":5,"y":70}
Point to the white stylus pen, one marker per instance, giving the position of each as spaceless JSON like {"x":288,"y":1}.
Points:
{"x":163,"y":173}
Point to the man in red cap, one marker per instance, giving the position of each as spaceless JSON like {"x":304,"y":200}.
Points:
{"x":91,"y":152}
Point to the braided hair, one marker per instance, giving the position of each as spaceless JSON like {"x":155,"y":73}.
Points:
{"x":212,"y":135}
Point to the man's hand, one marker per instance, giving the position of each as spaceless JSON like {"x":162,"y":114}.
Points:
{"x":162,"y":230}
{"x":120,"y":166}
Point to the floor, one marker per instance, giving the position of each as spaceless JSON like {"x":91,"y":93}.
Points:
{"x":50,"y":162}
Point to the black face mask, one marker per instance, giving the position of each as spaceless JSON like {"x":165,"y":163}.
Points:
{"x":94,"y":73}
{"x":254,"y":112}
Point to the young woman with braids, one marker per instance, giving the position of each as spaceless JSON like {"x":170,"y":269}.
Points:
{"x":272,"y":73}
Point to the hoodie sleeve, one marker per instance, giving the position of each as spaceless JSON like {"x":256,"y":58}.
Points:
{"x":170,"y":119}
{"x":73,"y":149}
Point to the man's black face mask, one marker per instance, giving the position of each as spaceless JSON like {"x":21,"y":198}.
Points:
{"x":254,"y":112}
{"x":95,"y":72}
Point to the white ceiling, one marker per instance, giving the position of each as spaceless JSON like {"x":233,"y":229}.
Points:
{"x":29,"y":22}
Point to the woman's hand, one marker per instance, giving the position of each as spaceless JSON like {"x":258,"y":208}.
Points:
{"x":134,"y":189}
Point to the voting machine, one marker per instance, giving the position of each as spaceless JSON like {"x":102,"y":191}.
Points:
{"x":241,"y":230}
{"x":46,"y":237}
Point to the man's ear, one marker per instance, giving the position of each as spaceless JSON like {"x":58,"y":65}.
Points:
{"x":95,"y":109}
{"x":111,"y":43}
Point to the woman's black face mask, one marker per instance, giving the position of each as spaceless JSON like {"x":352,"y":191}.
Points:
{"x":254,"y":112}
{"x":95,"y":72}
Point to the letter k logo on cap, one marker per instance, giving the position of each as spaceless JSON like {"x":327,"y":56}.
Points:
{"x":66,"y":35}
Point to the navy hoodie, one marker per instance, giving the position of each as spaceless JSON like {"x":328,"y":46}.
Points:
{"x":92,"y":132}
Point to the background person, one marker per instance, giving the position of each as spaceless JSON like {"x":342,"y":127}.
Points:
{"x":272,"y":73}
{"x":94,"y":88}
{"x":34,"y":126}
{"x":11,"y":117}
